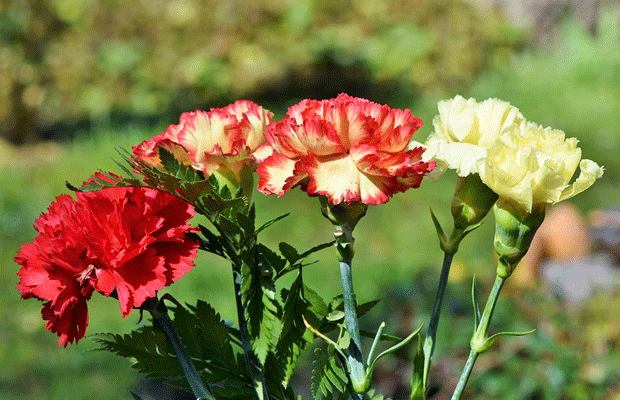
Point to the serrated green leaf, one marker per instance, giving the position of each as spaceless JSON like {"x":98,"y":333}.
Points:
{"x":364,"y":308}
{"x":212,"y":243}
{"x":202,"y":326}
{"x":299,"y":301}
{"x":276,"y":262}
{"x":315,"y":302}
{"x":337,"y":303}
{"x":261,"y":307}
{"x":149,"y":347}
{"x":328,"y":376}
{"x":289,"y":252}
{"x":229,"y":229}
{"x":206,"y":339}
{"x":344,"y":341}
{"x":193,"y":190}
{"x":320,"y":382}
{"x":246,"y":223}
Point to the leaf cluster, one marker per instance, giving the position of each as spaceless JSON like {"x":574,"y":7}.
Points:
{"x":272,"y":331}
{"x":209,"y":342}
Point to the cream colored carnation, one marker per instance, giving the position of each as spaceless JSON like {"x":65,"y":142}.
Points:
{"x":465,"y":129}
{"x":532,"y":167}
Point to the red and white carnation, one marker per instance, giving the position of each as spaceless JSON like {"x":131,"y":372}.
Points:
{"x":348,"y":149}
{"x":223,"y":139}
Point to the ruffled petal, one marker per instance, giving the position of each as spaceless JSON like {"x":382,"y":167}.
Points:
{"x":277,"y":175}
{"x":590,"y":172}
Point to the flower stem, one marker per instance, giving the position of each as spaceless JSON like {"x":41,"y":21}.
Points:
{"x":429,"y":342}
{"x":356,"y":360}
{"x":479,"y":340}
{"x":195,"y":383}
{"x":252,"y":363}
{"x":469,"y":365}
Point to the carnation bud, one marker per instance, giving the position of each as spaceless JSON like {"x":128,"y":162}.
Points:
{"x":472,"y":201}
{"x":514,"y":231}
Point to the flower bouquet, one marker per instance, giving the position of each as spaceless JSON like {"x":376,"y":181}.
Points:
{"x":128,"y":236}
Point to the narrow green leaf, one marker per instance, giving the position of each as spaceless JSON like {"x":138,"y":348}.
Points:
{"x":383,"y":336}
{"x":128,"y":173}
{"x":474,"y":299}
{"x":316,"y":248}
{"x":396,"y":346}
{"x":493,"y":338}
{"x":440,"y":232}
{"x":418,"y":383}
{"x":271,"y":222}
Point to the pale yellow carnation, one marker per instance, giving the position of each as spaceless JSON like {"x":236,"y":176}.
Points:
{"x":465,"y":129}
{"x":531,"y":167}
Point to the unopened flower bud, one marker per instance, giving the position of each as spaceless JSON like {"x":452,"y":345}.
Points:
{"x":472,"y":201}
{"x":514,"y":231}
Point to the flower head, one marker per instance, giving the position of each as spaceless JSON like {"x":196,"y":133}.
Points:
{"x":347,"y":149}
{"x":465,"y":129}
{"x":531,"y":167}
{"x":222,"y":141}
{"x":129,"y":240}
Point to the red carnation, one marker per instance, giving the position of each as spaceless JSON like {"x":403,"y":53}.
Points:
{"x":131,"y":240}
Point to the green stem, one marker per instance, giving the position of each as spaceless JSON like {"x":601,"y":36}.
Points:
{"x":195,"y":383}
{"x":479,"y":342}
{"x":469,"y":365}
{"x":251,"y":361}
{"x":479,"y":339}
{"x":355,"y":358}
{"x":429,"y":343}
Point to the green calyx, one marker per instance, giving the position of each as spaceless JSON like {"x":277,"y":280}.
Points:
{"x":342,"y":214}
{"x":471,"y":202}
{"x":235,"y":177}
{"x":344,"y":217}
{"x":514,"y":231}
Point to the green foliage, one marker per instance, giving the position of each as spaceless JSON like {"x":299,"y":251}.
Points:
{"x":261,"y":309}
{"x":328,"y":374}
{"x":299,"y":302}
{"x":207,"y":341}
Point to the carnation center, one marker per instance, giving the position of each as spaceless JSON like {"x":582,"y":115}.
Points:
{"x":86,"y":274}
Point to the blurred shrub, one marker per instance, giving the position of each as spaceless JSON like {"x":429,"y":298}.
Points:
{"x":69,"y":60}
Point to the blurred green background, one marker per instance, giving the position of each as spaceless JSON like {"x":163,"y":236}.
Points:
{"x":79,"y":78}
